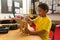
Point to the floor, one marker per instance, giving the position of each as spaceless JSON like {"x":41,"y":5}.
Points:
{"x":16,"y":35}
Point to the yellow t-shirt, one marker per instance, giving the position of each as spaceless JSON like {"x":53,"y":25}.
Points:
{"x":43,"y":23}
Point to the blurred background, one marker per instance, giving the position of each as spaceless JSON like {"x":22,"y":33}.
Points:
{"x":21,"y":7}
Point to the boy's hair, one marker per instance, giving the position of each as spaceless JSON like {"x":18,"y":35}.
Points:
{"x":44,"y":6}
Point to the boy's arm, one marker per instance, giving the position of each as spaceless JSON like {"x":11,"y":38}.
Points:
{"x":35,"y":33}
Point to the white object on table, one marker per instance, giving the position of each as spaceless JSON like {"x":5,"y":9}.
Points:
{"x":30,"y":28}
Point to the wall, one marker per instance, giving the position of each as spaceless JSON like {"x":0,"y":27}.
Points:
{"x":49,"y":2}
{"x":4,"y":7}
{"x":24,"y":10}
{"x":58,"y":9}
{"x":26,"y":5}
{"x":0,"y":6}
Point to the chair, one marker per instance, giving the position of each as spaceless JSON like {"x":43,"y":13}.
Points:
{"x":53,"y":30}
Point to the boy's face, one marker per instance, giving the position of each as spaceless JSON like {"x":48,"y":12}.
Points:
{"x":41,"y":11}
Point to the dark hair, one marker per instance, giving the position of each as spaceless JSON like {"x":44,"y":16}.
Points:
{"x":44,"y":6}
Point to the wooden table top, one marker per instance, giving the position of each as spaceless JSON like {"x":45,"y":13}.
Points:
{"x":17,"y":35}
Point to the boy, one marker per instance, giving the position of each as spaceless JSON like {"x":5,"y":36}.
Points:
{"x":42,"y":22}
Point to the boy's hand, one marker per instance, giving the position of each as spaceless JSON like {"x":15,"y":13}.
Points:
{"x":27,"y":19}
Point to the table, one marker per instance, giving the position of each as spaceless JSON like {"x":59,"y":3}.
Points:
{"x":17,"y":35}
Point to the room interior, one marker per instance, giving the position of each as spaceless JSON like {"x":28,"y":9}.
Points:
{"x":10,"y":9}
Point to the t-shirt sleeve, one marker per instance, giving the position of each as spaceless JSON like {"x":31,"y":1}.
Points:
{"x":35,"y":20}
